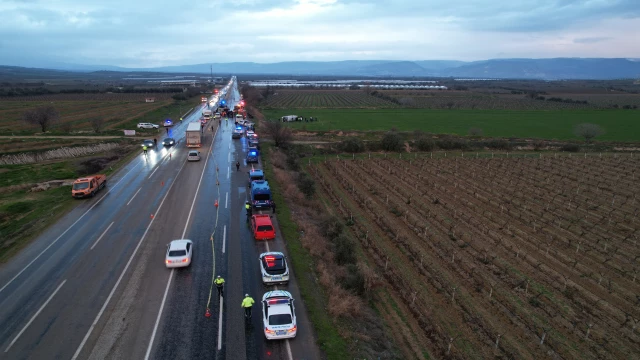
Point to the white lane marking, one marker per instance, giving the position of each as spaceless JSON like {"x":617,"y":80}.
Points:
{"x":226,"y":200}
{"x":154,"y":171}
{"x":220,"y":324}
{"x":135,"y":251}
{"x":186,"y":225}
{"x":155,"y":328}
{"x":286,"y":342}
{"x":267,"y":243}
{"x":34,"y":316}
{"x":224,"y":238}
{"x":228,"y":172}
{"x":104,"y":232}
{"x":229,"y":157}
{"x":134,"y":195}
{"x":69,"y":228}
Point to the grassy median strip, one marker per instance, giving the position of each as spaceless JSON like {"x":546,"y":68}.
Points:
{"x":330,"y":341}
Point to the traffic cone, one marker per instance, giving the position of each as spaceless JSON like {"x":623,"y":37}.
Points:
{"x":162,"y":184}
{"x":152,"y":216}
{"x":207,"y":313}
{"x":215,"y":203}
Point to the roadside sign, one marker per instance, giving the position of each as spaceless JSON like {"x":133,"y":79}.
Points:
{"x":129,"y":133}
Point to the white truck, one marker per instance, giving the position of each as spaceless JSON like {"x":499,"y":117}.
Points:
{"x":206,"y":114}
{"x":194,"y":134}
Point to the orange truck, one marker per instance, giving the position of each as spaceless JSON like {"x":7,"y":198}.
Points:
{"x":88,"y":186}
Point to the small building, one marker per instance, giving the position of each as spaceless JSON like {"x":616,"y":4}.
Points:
{"x":150,"y":99}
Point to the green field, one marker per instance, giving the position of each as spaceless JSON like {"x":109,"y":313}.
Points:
{"x":619,"y":125}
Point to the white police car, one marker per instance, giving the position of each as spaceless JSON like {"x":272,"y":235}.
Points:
{"x":273,"y":266}
{"x":278,"y":315}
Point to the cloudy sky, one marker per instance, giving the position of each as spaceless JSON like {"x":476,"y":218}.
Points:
{"x":146,"y":33}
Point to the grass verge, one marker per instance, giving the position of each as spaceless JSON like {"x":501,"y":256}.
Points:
{"x":330,"y":341}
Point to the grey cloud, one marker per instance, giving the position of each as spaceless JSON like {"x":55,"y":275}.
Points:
{"x":590,"y":40}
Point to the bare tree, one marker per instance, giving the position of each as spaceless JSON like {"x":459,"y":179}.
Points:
{"x":280,"y":133}
{"x":474,"y":131}
{"x":588,"y":131}
{"x":43,"y":116}
{"x":407,"y":101}
{"x":97,"y":123}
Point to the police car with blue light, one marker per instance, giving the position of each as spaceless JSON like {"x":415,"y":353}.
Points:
{"x":252,"y":155}
{"x":273,"y":266}
{"x":279,"y":315}
{"x":237,"y":132}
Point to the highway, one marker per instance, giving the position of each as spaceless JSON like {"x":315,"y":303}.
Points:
{"x":94,"y":285}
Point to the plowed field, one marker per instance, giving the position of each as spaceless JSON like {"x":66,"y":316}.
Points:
{"x":519,"y":258}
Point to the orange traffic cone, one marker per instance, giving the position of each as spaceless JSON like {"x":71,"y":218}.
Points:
{"x":152,"y":216}
{"x":207,"y":313}
{"x":162,"y":184}
{"x":215,"y":203}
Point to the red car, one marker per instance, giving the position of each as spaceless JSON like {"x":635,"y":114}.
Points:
{"x":262,"y":227}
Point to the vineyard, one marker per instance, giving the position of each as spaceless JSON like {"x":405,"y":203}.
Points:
{"x":519,"y":258}
{"x":313,"y":99}
{"x":77,"y":109}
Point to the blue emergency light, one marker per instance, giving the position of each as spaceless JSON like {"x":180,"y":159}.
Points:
{"x":278,"y":301}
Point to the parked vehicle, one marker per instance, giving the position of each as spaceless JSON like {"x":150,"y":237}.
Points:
{"x":254,"y":175}
{"x":88,"y":186}
{"x":260,"y":194}
{"x":262,"y":227}
{"x":278,"y":315}
{"x":194,"y":155}
{"x":274,"y":269}
{"x":148,"y":126}
{"x":194,"y":135}
{"x":252,"y":156}
{"x":168,"y":123}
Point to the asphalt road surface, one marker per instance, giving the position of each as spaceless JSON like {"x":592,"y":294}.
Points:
{"x":94,"y":285}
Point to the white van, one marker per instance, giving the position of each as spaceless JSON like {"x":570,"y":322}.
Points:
{"x":289,"y":118}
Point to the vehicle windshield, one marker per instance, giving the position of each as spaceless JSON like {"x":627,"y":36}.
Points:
{"x":257,"y":178}
{"x":276,"y":266}
{"x":265,"y":228}
{"x":280,"y":319}
{"x":174,"y":253}
{"x":261,"y":197}
{"x":80,"y":186}
{"x":193,"y":154}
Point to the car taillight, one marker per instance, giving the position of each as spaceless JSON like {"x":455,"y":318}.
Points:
{"x":168,"y":261}
{"x":185,"y":260}
{"x":269,"y":331}
{"x":294,"y":328}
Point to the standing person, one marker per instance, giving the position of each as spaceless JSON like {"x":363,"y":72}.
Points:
{"x":247,"y":303}
{"x":273,"y":206}
{"x":220,"y":285}
{"x":144,"y":148}
{"x":155,"y":142}
{"x":237,"y":165}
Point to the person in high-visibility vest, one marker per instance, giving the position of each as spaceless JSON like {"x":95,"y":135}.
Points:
{"x":247,"y":207}
{"x":144,"y":148}
{"x":219,"y":281}
{"x":247,"y":303}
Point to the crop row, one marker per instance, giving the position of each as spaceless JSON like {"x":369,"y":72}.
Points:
{"x":481,"y":224}
{"x":288,"y":99}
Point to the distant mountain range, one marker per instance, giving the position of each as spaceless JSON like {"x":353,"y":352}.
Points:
{"x":542,"y":69}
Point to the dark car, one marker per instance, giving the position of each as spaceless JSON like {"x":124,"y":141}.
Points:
{"x":169,"y":142}
{"x":148,"y":143}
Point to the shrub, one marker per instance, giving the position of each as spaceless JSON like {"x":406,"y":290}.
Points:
{"x":292,"y":161}
{"x":344,"y":250}
{"x":391,"y":141}
{"x":474,"y":131}
{"x":352,"y":145}
{"x":449,"y":144}
{"x":306,"y":185}
{"x":499,"y":145}
{"x":425,"y":144}
{"x":353,"y":280}
{"x":570,"y":148}
{"x":331,"y":227}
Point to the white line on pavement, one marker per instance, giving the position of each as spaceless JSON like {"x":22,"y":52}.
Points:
{"x":154,"y":171}
{"x":186,"y":225}
{"x":226,"y":200}
{"x":220,"y":324}
{"x":224,"y":238}
{"x":155,"y":328}
{"x":228,"y":172}
{"x":34,"y":316}
{"x":104,"y":232}
{"x":135,"y":251}
{"x":134,"y":195}
{"x":69,"y":228}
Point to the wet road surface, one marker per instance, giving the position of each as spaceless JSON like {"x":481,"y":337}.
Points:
{"x":94,"y":285}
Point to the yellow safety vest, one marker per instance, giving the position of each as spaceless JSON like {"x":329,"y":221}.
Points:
{"x":219,"y":281}
{"x":247,"y":302}
{"x":144,"y":148}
